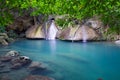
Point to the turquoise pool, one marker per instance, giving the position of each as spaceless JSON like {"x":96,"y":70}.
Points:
{"x":72,"y":60}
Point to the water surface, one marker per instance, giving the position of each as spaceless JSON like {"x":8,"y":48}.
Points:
{"x":72,"y":61}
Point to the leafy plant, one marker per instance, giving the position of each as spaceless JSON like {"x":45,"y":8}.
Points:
{"x":80,"y":9}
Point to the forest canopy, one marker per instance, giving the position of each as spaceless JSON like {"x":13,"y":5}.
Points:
{"x":108,"y":10}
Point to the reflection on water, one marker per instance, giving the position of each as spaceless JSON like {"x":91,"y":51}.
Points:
{"x":52,"y":45}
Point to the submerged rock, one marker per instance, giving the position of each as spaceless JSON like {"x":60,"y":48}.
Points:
{"x":36,"y":66}
{"x":5,"y":58}
{"x":3,"y":42}
{"x":8,"y":56}
{"x":38,"y":77}
{"x":23,"y":60}
{"x":12,"y":54}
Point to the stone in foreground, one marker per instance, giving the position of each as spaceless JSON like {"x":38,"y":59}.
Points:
{"x":38,"y":77}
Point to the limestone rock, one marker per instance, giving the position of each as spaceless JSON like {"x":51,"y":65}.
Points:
{"x":3,"y":42}
{"x":4,"y":35}
{"x":12,"y":53}
{"x":4,"y":39}
{"x":76,"y":33}
{"x":38,"y":77}
{"x":35,"y":32}
{"x":117,"y":42}
{"x":36,"y":66}
{"x":94,"y":23}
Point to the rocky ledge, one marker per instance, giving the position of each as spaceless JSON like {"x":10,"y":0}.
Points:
{"x":4,"y":39}
{"x":13,"y":60}
{"x":78,"y":33}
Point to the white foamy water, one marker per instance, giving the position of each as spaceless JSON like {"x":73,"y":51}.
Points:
{"x":52,"y":31}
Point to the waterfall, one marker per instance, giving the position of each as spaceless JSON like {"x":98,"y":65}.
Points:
{"x":52,"y":31}
{"x":84,"y":34}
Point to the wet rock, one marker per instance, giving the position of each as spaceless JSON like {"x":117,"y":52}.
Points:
{"x":36,"y":66}
{"x":94,"y":22}
{"x":4,"y":39}
{"x":3,"y":42}
{"x":12,"y":54}
{"x":77,"y":33}
{"x":5,"y":58}
{"x":16,"y":66}
{"x":23,"y":60}
{"x":4,"y":35}
{"x":35,"y":32}
{"x":38,"y":77}
{"x":117,"y":42}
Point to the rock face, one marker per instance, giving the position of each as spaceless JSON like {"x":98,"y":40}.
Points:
{"x":77,"y":33}
{"x":38,"y":77}
{"x":47,"y":31}
{"x":4,"y":39}
{"x":94,"y":23}
{"x":35,"y":32}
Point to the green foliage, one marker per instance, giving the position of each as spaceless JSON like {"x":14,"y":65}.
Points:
{"x":63,"y":23}
{"x":12,"y":34}
{"x":80,"y":9}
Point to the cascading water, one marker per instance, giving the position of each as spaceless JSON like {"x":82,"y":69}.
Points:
{"x":52,"y":31}
{"x":84,"y":34}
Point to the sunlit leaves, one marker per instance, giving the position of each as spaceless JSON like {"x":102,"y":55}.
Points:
{"x":109,"y":10}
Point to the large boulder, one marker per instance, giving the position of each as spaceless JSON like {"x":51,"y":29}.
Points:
{"x":9,"y":56}
{"x":23,"y":60}
{"x":38,"y":77}
{"x":35,"y":32}
{"x":12,"y":53}
{"x":78,"y":33}
{"x":3,"y":42}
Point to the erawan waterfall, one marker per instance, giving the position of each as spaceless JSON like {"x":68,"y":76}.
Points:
{"x":52,"y":31}
{"x":84,"y":34}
